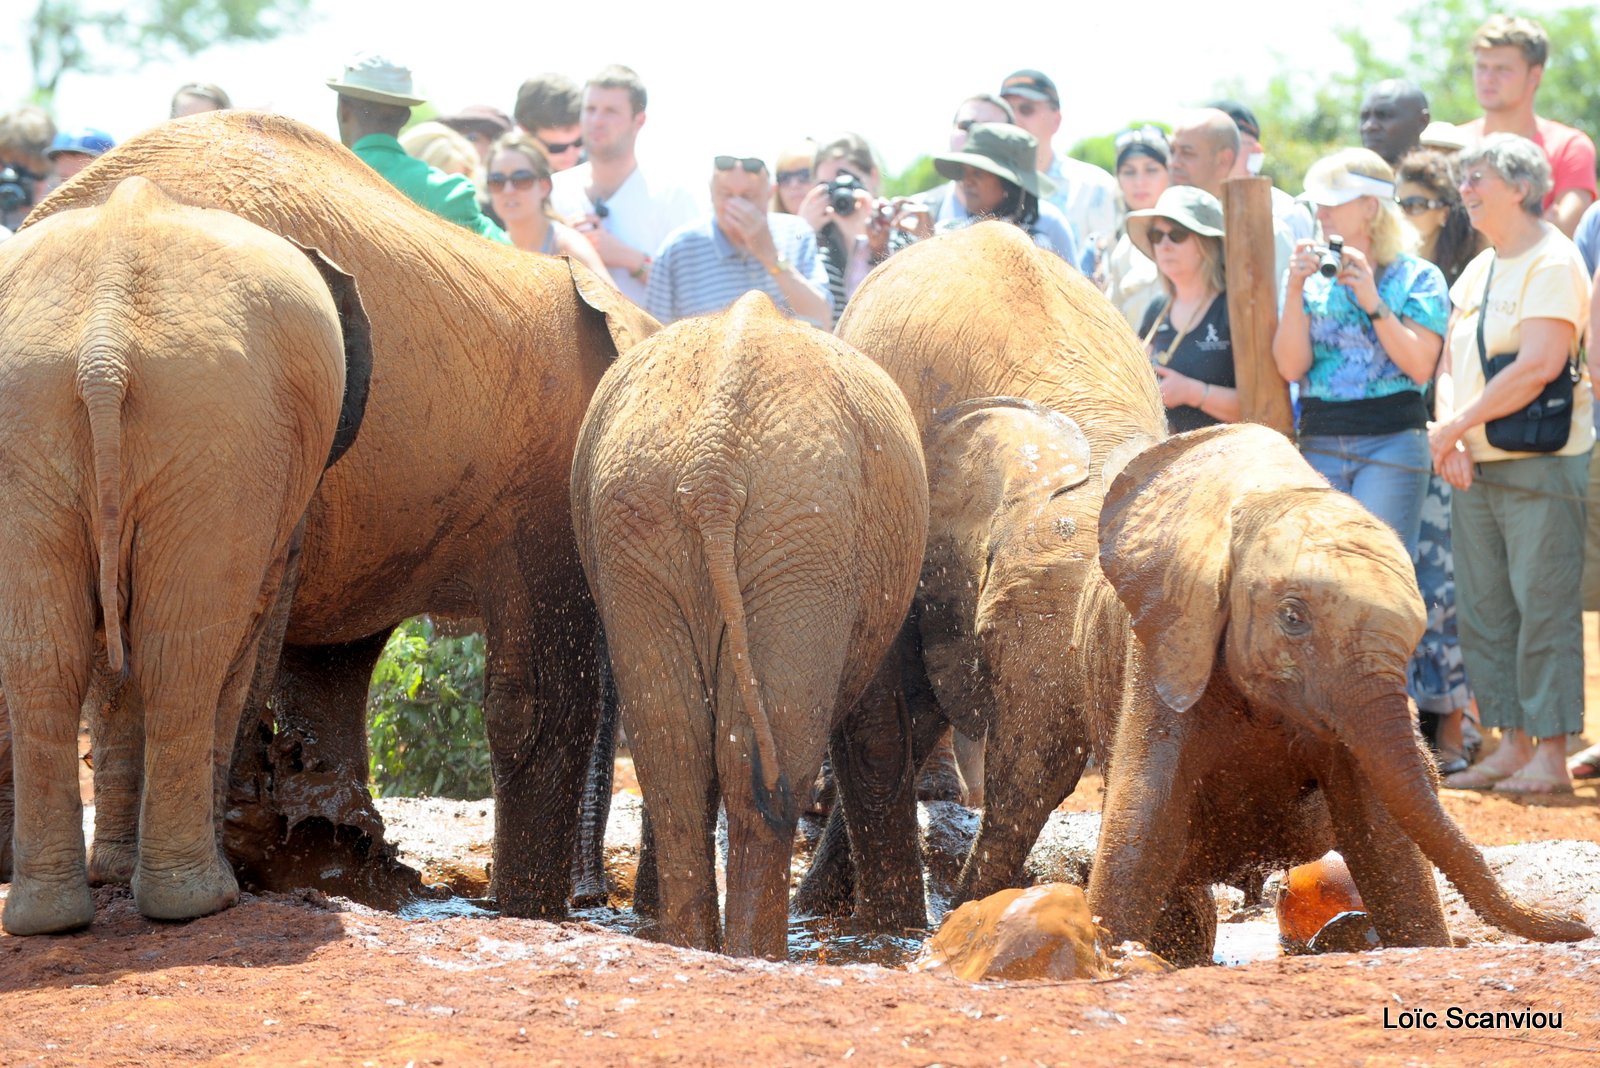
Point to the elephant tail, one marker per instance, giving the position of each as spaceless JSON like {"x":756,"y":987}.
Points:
{"x":714,"y":513}
{"x":102,"y":382}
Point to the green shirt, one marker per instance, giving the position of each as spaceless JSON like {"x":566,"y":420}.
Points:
{"x":449,"y":196}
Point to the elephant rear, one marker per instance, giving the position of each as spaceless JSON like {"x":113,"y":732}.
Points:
{"x":171,"y":382}
{"x":751,"y":505}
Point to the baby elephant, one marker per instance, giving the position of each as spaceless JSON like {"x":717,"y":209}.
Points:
{"x":751,"y":506}
{"x":172,"y":385}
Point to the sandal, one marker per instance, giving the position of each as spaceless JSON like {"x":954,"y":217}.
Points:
{"x":1533,"y":785}
{"x":1585,"y":764}
{"x":1476,"y":777}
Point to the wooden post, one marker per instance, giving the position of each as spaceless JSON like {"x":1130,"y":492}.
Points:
{"x":1253,"y":302}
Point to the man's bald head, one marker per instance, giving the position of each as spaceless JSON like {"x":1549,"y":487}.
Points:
{"x":1205,"y":144}
{"x":1393,"y":116}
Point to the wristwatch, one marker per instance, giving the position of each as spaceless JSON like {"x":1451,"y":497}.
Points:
{"x":780,"y":265}
{"x":1380,"y":312}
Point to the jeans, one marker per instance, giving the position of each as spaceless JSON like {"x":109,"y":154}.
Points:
{"x":1362,"y":469}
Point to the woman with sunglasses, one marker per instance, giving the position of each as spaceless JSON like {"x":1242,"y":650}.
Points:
{"x":1425,"y":189}
{"x":791,"y":178}
{"x":1186,"y":329}
{"x":518,"y":181}
{"x":1126,"y":275}
{"x":1517,"y":516}
{"x":1361,"y":332}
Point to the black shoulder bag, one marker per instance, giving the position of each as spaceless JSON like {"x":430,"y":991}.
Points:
{"x":1543,"y":426}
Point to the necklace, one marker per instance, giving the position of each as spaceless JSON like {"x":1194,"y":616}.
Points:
{"x":1163,"y":358}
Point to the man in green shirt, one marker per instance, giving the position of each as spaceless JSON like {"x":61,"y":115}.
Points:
{"x":375,"y":101}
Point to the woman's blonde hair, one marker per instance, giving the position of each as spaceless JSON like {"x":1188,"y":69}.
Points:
{"x":792,"y":158}
{"x":439,"y":146}
{"x":1213,"y":265}
{"x":1391,"y":235}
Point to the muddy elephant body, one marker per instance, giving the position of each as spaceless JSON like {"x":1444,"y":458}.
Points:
{"x":980,"y":313}
{"x":172,"y":382}
{"x":453,"y":500}
{"x":750,"y":503}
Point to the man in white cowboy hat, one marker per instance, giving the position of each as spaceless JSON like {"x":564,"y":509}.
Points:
{"x":375,"y":101}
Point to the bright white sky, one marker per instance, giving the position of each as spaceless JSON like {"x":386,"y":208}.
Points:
{"x":756,"y":75}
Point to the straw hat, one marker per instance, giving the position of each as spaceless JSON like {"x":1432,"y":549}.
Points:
{"x":1187,"y":205}
{"x":369,"y":76}
{"x":1006,"y":151}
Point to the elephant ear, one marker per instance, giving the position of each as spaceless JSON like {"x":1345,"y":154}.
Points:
{"x":627,"y":323}
{"x":357,"y":332}
{"x":1166,"y":532}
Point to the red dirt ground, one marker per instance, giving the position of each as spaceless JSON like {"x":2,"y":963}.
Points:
{"x":294,"y":979}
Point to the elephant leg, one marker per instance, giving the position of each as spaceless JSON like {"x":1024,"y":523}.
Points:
{"x":758,"y":881}
{"x":939,"y":778}
{"x":646,"y":879}
{"x":298,"y":804}
{"x":116,"y":736}
{"x":1394,"y":878}
{"x":541,"y":704}
{"x":589,"y":885}
{"x":1035,"y":766}
{"x":1186,"y":930}
{"x":8,"y":789}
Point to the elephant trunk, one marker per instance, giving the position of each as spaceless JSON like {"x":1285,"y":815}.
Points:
{"x":102,"y":383}
{"x":1386,"y":750}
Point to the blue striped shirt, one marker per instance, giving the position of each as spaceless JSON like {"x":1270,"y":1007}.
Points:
{"x":698,"y":271}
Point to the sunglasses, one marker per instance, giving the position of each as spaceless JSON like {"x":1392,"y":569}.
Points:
{"x":1418,"y":205}
{"x":803,"y":175}
{"x":523,"y":179}
{"x":750,"y":164}
{"x":1177,"y":235}
{"x":1143,"y":135}
{"x":555,"y":148}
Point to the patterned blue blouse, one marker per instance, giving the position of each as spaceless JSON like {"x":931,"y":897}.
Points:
{"x":1347,"y":361}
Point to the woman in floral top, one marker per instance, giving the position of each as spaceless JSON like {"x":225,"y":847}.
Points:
{"x":1364,"y":343}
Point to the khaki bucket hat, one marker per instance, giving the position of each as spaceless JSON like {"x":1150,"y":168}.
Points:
{"x":1006,"y":151}
{"x":369,"y":76}
{"x":1187,"y":205}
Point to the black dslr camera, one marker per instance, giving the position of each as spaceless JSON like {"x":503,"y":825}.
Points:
{"x":842,"y":193}
{"x":16,"y":189}
{"x":1331,"y":258}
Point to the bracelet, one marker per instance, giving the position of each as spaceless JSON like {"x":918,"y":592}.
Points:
{"x":644,"y":265}
{"x":1205,"y":395}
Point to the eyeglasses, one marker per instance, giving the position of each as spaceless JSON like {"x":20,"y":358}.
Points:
{"x":1177,"y":235}
{"x":555,"y":148}
{"x":1418,"y":205}
{"x":1473,"y":180}
{"x":801,"y":176}
{"x":749,"y":164}
{"x":523,"y":179}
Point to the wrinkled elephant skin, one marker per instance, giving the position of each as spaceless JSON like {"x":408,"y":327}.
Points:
{"x":750,"y":504}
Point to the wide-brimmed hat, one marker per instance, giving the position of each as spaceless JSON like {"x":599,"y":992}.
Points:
{"x":85,"y":140}
{"x":1005,"y":151}
{"x":480,"y":117}
{"x":1445,"y":135}
{"x":1187,"y":205}
{"x":369,"y":76}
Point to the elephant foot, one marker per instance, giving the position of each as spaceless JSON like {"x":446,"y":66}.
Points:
{"x":35,"y":906}
{"x":589,"y":892}
{"x":184,"y":892}
{"x":940,"y":777}
{"x":112,"y":863}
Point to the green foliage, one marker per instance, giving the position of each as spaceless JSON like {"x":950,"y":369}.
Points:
{"x":425,"y":715}
{"x":917,"y":178}
{"x":66,"y":36}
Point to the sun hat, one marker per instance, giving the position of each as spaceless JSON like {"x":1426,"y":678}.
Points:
{"x":369,"y":76}
{"x":480,"y":117}
{"x":1341,"y":187}
{"x":85,"y":140}
{"x":1187,"y":205}
{"x":1031,"y":84}
{"x":1445,"y":135}
{"x":1005,"y":151}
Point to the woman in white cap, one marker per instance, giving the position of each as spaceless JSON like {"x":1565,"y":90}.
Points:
{"x":1361,"y":331}
{"x":1000,"y":179}
{"x":1127,"y":276}
{"x":1186,"y":329}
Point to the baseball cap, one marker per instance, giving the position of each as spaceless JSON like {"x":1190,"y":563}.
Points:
{"x":1242,"y":116}
{"x":480,"y":117}
{"x":85,"y":140}
{"x":1032,"y":84}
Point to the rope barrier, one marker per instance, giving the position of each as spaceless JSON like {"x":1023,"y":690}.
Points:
{"x":1477,"y":479}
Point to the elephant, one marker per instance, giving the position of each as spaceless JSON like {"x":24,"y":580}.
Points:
{"x":1264,"y":717}
{"x":750,"y":504}
{"x":976,"y":313}
{"x":173,"y":383}
{"x":453,"y":501}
